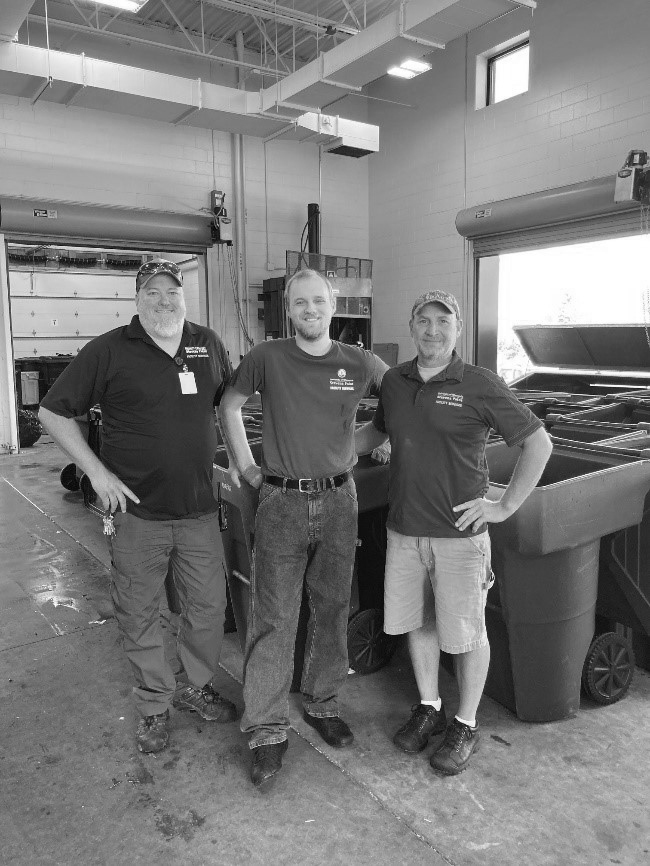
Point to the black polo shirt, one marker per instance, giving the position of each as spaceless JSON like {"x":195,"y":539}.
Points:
{"x":157,"y":440}
{"x":438,"y":431}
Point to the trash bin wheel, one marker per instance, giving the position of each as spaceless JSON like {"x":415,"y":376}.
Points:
{"x":90,"y":497}
{"x":69,"y":478}
{"x":369,"y":647}
{"x":608,"y":669}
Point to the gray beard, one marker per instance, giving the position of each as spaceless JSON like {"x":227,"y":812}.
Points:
{"x":160,"y":328}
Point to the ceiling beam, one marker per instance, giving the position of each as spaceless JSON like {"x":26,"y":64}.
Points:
{"x":126,"y":37}
{"x":262,"y":28}
{"x":182,"y":27}
{"x":284,"y":14}
{"x":352,"y":13}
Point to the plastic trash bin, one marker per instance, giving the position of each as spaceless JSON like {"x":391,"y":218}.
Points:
{"x":51,"y":368}
{"x":636,"y":442}
{"x":581,"y":430}
{"x":628,"y":410}
{"x":541,"y":609}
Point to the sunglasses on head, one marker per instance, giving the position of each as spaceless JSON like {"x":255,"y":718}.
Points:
{"x":149,"y":269}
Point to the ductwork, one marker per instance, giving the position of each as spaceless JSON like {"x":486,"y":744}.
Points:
{"x":417,"y":28}
{"x":290,"y":109}
{"x":73,"y":79}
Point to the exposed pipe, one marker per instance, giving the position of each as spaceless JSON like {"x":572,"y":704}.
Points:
{"x":313,"y":227}
{"x":239,"y":195}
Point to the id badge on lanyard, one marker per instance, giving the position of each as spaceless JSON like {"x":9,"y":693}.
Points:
{"x":187,"y":380}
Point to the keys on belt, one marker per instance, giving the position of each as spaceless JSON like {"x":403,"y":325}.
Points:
{"x":106,"y":516}
{"x":109,"y":526}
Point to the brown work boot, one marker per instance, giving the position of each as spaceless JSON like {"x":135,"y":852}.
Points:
{"x":425,"y":721}
{"x":458,"y":746}
{"x":152,"y":734}
{"x":208,"y":703}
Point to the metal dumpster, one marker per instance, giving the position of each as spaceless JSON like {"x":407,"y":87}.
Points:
{"x":369,"y":647}
{"x":541,"y":609}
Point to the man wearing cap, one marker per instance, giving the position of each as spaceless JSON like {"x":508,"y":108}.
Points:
{"x":438,"y":412}
{"x":157,"y":381}
{"x":306,"y":522}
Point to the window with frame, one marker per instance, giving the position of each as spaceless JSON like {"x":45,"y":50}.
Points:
{"x":508,"y":72}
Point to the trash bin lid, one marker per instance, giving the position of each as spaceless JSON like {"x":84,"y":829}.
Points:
{"x":591,"y":347}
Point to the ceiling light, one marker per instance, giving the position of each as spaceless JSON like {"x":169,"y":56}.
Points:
{"x":417,"y":66}
{"x":126,"y":5}
{"x":399,"y":72}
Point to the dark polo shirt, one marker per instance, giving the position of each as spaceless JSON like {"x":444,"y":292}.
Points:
{"x":438,"y":432}
{"x":157,"y":440}
{"x":309,"y":404}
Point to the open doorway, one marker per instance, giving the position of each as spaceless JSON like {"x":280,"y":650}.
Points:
{"x":604,"y":282}
{"x":62,"y":296}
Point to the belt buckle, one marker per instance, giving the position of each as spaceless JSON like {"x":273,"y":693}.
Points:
{"x":302,"y":489}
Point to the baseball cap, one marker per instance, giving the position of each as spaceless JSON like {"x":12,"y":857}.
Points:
{"x":436,"y":297}
{"x":157,"y":266}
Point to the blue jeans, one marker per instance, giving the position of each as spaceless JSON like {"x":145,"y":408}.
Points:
{"x":300,"y":539}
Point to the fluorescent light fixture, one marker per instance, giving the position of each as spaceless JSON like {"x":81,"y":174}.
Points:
{"x":409,"y":68}
{"x":127,"y":5}
{"x":399,"y":72}
{"x":417,"y":66}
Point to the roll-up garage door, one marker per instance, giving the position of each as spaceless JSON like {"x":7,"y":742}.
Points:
{"x":566,"y":215}
{"x":100,"y":225}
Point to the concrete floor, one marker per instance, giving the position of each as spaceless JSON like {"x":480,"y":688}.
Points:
{"x":75,"y":790}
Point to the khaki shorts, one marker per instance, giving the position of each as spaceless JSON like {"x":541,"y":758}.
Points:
{"x":445,"y":580}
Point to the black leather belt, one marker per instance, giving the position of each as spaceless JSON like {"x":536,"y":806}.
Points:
{"x":308,"y":485}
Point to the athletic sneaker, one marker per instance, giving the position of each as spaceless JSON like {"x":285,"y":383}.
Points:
{"x":453,"y":755}
{"x":208,"y":703}
{"x":425,"y":721}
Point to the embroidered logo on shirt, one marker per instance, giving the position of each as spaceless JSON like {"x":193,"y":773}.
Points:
{"x":341,"y":383}
{"x":196,"y":351}
{"x":446,"y":399}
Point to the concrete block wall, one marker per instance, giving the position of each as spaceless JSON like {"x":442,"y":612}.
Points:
{"x":588,"y":104}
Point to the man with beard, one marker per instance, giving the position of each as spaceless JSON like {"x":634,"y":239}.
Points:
{"x":438,"y":412}
{"x":306,"y":522}
{"x":157,"y":381}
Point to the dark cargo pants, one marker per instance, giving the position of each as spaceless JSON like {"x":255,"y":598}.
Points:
{"x":141,"y":551}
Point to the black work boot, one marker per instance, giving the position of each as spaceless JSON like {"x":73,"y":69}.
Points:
{"x":425,"y":721}
{"x":458,"y":746}
{"x":267,"y":762}
{"x":152,"y":734}
{"x":332,"y":729}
